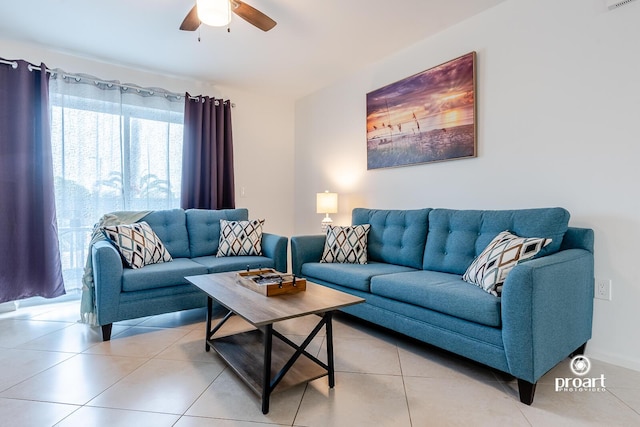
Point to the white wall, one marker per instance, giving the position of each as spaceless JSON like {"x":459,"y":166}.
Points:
{"x":263,"y":158}
{"x":558,"y":104}
{"x":262,"y":130}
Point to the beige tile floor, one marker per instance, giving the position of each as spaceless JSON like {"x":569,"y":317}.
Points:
{"x":155,"y":372}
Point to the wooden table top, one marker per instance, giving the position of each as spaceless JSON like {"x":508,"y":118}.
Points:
{"x":259,"y":309}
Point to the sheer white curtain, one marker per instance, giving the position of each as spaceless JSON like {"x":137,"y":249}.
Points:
{"x":115,"y":148}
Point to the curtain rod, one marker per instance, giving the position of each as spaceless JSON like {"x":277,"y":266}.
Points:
{"x":14,"y":65}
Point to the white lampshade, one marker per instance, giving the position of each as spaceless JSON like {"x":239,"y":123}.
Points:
{"x":326,"y":202}
{"x":216,"y":13}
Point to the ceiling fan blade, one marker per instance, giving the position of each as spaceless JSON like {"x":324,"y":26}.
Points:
{"x":252,"y":15}
{"x":191,"y":21}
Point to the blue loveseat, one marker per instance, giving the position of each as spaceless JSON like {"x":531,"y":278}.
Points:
{"x":192,"y":238}
{"x":413,"y":284}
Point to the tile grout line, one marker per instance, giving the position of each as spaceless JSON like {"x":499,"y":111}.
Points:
{"x":622,"y":401}
{"x":404,"y":386}
{"x":71,"y":356}
{"x":184,"y":414}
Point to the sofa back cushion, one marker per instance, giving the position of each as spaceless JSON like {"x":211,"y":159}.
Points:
{"x":457,"y":237}
{"x":396,"y":236}
{"x":170,"y":226}
{"x":203,"y":226}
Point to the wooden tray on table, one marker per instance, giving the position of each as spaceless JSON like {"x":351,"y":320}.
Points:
{"x":269,"y":282}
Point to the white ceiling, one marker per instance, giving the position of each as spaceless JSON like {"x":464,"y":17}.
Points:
{"x":315,"y":42}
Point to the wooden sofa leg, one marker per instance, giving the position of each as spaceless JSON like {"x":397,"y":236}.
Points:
{"x":106,"y":332}
{"x":527,"y":390}
{"x":579,"y":350}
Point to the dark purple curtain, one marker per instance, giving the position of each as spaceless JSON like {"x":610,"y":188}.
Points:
{"x":207,"y":159}
{"x":29,"y":255}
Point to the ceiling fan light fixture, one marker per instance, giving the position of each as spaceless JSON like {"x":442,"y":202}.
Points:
{"x":216,"y":13}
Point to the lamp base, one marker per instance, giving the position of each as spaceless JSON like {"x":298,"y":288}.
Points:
{"x":326,"y":222}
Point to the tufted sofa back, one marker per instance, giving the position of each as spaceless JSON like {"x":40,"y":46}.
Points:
{"x":457,"y":237}
{"x":396,"y":236}
{"x":204,"y":228}
{"x":169,"y":225}
{"x":194,"y":232}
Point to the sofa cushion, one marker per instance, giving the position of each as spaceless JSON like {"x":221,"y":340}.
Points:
{"x":396,"y":236}
{"x":346,"y":244}
{"x":443,"y":292}
{"x":355,"y":276}
{"x":137,"y":243}
{"x":457,"y":237}
{"x":420,"y":322}
{"x":170,"y":226}
{"x":203,"y":226}
{"x":216,"y":264}
{"x":160,"y":275}
{"x":490,"y":269}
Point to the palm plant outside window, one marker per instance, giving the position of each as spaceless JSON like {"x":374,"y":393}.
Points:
{"x":115,"y":148}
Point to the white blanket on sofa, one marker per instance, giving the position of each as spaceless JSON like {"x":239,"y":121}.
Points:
{"x":88,"y":303}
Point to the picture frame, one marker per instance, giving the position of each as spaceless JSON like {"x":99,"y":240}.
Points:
{"x":427,"y":117}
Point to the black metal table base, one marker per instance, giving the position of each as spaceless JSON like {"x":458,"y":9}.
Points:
{"x":269,"y":381}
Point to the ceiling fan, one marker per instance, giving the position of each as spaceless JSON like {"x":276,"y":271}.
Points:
{"x":218,"y":13}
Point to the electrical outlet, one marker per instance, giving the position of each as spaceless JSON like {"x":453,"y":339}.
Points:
{"x":603,"y":289}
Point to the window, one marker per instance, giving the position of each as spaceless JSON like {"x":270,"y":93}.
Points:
{"x":113,"y":149}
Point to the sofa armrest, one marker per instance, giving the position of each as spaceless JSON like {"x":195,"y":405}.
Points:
{"x":305,"y":249}
{"x":547,"y":311}
{"x":107,"y":280}
{"x":578,"y":238}
{"x":275,"y":247}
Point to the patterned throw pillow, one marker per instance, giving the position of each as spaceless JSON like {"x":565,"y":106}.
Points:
{"x":137,"y":243}
{"x":346,"y":245}
{"x":240,"y":238}
{"x":489,"y":270}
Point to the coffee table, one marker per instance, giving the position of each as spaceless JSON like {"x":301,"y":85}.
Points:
{"x":264,"y":364}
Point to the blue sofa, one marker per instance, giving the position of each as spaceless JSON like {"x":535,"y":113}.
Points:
{"x":413,"y":284}
{"x":192,"y":238}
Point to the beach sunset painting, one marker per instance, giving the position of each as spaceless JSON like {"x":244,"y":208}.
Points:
{"x":428,"y":117}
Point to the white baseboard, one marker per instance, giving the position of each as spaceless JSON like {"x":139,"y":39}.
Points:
{"x":614,"y":359}
{"x":6,"y":307}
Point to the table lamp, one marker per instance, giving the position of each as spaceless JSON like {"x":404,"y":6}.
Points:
{"x":326,"y":203}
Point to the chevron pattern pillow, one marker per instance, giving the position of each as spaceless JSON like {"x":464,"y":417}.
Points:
{"x":137,"y":243}
{"x":347,"y":245}
{"x":240,"y":238}
{"x":490,"y":269}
